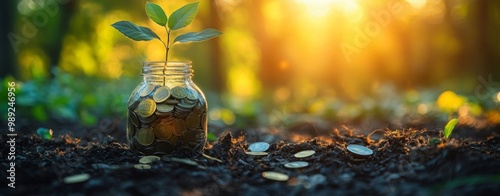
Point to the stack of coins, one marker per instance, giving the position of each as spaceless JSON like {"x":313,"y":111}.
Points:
{"x":162,"y":119}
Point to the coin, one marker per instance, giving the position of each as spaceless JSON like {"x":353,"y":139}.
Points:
{"x":173,"y":140}
{"x":179,"y":92}
{"x":257,"y":153}
{"x":145,"y":136}
{"x":296,"y":164}
{"x":146,"y":108}
{"x":161,"y":94}
{"x":204,"y":120}
{"x":142,"y":166}
{"x":275,"y":176}
{"x":192,"y":95}
{"x":163,"y":131}
{"x":76,"y":178}
{"x":189,"y":137}
{"x":133,"y":101}
{"x":359,"y":150}
{"x":172,"y":101}
{"x":147,"y":90}
{"x":192,"y":120}
{"x":258,"y":147}
{"x":304,"y":154}
{"x":164,"y":108}
{"x":133,"y":118}
{"x":130,"y":130}
{"x":179,"y":127}
{"x":149,"y":159}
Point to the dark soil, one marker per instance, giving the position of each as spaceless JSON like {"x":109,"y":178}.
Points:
{"x":404,"y":162}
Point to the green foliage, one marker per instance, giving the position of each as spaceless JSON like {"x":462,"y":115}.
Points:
{"x":196,"y":37}
{"x":449,"y":127}
{"x":132,"y":31}
{"x":183,"y":16}
{"x":180,"y":18}
{"x":156,"y":14}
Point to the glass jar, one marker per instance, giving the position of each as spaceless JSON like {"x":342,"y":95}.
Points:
{"x":167,"y":111}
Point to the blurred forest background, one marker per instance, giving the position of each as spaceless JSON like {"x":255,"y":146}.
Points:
{"x":277,"y":61}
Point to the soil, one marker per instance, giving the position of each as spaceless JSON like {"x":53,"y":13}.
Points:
{"x":404,"y":162}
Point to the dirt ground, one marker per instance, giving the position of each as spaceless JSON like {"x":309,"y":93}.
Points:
{"x":404,"y":162}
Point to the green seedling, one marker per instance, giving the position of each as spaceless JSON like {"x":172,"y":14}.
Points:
{"x":178,"y":19}
{"x":449,"y":127}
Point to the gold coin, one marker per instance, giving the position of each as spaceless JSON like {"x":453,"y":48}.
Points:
{"x":192,"y":120}
{"x":179,"y":92}
{"x":179,"y":126}
{"x":275,"y":176}
{"x":304,"y":154}
{"x":145,"y":136}
{"x":164,"y":108}
{"x":142,"y":166}
{"x":146,"y":108}
{"x":149,"y":159}
{"x":147,"y":90}
{"x":257,"y":153}
{"x":76,"y":178}
{"x":163,"y":131}
{"x":161,"y":94}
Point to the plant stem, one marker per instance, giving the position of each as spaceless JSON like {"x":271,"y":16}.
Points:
{"x":167,"y":48}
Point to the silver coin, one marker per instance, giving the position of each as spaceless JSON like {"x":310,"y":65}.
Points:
{"x":359,"y":150}
{"x":258,"y":147}
{"x":296,"y":164}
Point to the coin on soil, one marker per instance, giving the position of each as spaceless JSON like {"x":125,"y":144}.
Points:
{"x":257,"y":153}
{"x":304,"y":154}
{"x":258,"y":147}
{"x":359,"y":150}
{"x":76,"y":178}
{"x":145,"y":136}
{"x":275,"y":176}
{"x":161,"y":94}
{"x":149,"y":159}
{"x":146,"y":108}
{"x":296,"y":164}
{"x":142,"y":166}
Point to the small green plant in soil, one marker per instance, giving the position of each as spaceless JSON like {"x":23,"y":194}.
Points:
{"x":449,"y":127}
{"x":178,"y":19}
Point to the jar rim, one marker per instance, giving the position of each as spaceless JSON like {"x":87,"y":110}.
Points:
{"x":149,"y":63}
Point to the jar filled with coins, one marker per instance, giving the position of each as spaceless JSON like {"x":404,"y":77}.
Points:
{"x":167,"y":111}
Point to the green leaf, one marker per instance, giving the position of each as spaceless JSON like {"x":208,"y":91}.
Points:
{"x":183,"y":16}
{"x":449,"y":127}
{"x":135,"y":32}
{"x":156,"y":14}
{"x":197,"y":36}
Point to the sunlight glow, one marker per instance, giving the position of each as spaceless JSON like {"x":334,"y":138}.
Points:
{"x":417,"y":4}
{"x":318,"y":8}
